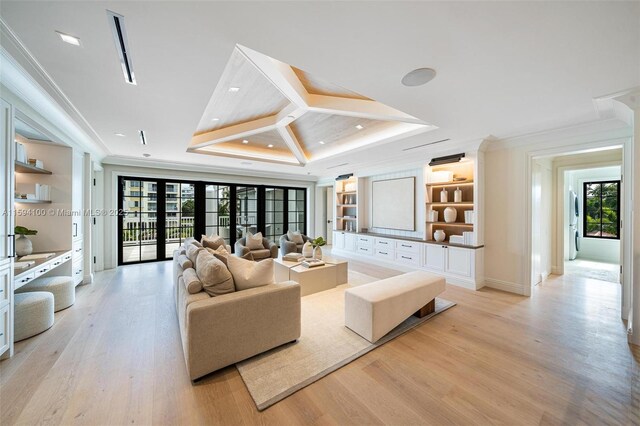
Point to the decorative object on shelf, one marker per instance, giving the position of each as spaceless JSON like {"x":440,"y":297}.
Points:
{"x":456,"y":239}
{"x":307,"y":250}
{"x":457,"y":195}
{"x":444,"y":196}
{"x":317,"y":251}
{"x":469,"y":216}
{"x":441,"y":176}
{"x":439,"y":235}
{"x":433,"y":216}
{"x":450,"y":214}
{"x":23,"y":243}
{"x":21,"y":152}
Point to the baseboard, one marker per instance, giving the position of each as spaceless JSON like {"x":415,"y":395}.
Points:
{"x":504,"y":286}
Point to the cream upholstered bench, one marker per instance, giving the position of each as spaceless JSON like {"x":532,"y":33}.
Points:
{"x":372,"y":310}
{"x":62,"y":288}
{"x":33,"y":314}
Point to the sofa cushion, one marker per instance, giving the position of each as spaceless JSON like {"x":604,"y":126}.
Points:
{"x":192,"y":253}
{"x":295,"y":236}
{"x":260,"y":254}
{"x":247,"y":274}
{"x":214,"y":275}
{"x":212,"y":242}
{"x":222,"y":253}
{"x":191,"y":281}
{"x":254,"y":242}
{"x":191,"y":240}
{"x":184,"y":261}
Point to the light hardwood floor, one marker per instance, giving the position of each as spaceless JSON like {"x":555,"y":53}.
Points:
{"x":559,"y":357}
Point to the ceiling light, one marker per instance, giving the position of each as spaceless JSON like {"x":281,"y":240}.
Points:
{"x":321,"y":142}
{"x":146,"y":155}
{"x":122,"y":135}
{"x":270,"y":145}
{"x":143,"y":138}
{"x":215,"y":119}
{"x":116,"y":22}
{"x":418,"y":77}
{"x":447,"y":159}
{"x":69,"y":38}
{"x":359,"y":127}
{"x":234,"y":89}
{"x":244,"y":141}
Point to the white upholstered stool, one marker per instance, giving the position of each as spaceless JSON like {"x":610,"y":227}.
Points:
{"x":372,"y":310}
{"x":62,"y":288}
{"x":33,"y":314}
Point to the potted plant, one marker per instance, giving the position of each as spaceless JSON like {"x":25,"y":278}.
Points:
{"x":23,"y":244}
{"x":317,"y":251}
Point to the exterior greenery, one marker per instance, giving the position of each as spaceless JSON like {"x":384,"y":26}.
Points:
{"x":601,"y":209}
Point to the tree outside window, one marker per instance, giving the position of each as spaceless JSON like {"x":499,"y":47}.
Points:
{"x":602,"y":209}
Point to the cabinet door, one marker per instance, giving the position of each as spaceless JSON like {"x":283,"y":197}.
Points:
{"x":458,"y":261}
{"x":338,"y":240}
{"x":434,"y":256}
{"x":7,"y":181}
{"x":350,"y":242}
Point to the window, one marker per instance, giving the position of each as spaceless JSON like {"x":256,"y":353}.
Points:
{"x":218,"y":211}
{"x":601,"y":210}
{"x":297,"y":210}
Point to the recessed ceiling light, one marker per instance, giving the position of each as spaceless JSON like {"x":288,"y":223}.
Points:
{"x":122,"y":135}
{"x":418,"y":77}
{"x":69,"y":38}
{"x":234,"y":89}
{"x":270,"y":145}
{"x":244,"y":141}
{"x":291,"y":116}
{"x":143,"y":137}
{"x":359,"y":127}
{"x":146,"y":155}
{"x":215,"y":119}
{"x":321,"y":142}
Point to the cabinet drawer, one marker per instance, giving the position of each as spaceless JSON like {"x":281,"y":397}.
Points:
{"x":385,"y":254}
{"x":365,"y":250}
{"x":77,"y":251}
{"x":5,"y":277}
{"x":42,"y":269}
{"x":4,"y":329}
{"x":67,"y":256}
{"x":408,"y":247}
{"x":385,"y":244}
{"x":19,"y":282}
{"x":77,"y":272}
{"x":364,"y":240}
{"x":412,"y":259}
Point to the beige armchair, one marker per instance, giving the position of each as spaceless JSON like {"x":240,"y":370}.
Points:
{"x":269,"y":249}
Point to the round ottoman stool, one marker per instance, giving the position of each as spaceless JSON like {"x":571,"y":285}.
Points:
{"x":33,"y":314}
{"x":62,"y":288}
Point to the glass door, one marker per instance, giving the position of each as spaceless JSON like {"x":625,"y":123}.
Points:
{"x":138,"y":222}
{"x":274,"y":213}
{"x":297,"y":210}
{"x":246,"y":210}
{"x":179,"y":215}
{"x":218,"y":211}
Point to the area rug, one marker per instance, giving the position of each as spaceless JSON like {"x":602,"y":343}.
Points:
{"x":324,"y":346}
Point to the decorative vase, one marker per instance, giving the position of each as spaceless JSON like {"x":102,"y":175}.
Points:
{"x":444,"y":196}
{"x":307,"y":249}
{"x":457,"y":195}
{"x":450,"y":214}
{"x":23,"y":246}
{"x":317,"y":253}
{"x":439,"y":235}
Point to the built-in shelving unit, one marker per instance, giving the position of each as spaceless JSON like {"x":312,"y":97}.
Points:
{"x":460,"y":177}
{"x":21,"y":167}
{"x":346,"y":202}
{"x":31,"y":201}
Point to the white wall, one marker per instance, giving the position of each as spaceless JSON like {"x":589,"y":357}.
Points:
{"x":542,"y":213}
{"x":597,"y":249}
{"x":112,"y":172}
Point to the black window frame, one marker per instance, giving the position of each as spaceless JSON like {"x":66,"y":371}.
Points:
{"x":584,"y":209}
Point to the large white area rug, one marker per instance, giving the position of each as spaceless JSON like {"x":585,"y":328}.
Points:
{"x":324,"y":346}
{"x":595,"y":270}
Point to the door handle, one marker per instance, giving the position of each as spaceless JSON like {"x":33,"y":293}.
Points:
{"x":13,"y":245}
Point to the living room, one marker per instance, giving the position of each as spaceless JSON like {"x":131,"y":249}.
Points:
{"x":319,"y":212}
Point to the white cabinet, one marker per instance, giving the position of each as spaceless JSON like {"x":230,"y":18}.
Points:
{"x":7,"y":239}
{"x":449,"y":260}
{"x":350,"y":242}
{"x":77,"y":194}
{"x":364,"y":244}
{"x":434,"y":257}
{"x":338,"y":240}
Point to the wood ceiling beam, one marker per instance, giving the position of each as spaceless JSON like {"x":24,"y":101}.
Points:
{"x":362,"y":108}
{"x":239,"y":155}
{"x":292,"y":143}
{"x":239,"y":131}
{"x":279,"y":74}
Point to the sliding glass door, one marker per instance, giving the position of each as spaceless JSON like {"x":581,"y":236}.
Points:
{"x":180,"y":212}
{"x":138,"y":222}
{"x":218,"y":211}
{"x":246,"y":210}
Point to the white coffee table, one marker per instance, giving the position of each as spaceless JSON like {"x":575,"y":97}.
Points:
{"x":311,"y":280}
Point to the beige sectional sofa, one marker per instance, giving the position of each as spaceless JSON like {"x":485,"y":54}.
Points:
{"x":222,"y":330}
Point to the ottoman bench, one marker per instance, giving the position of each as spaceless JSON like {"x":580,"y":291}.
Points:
{"x":372,"y":310}
{"x":33,"y":314}
{"x":62,"y":288}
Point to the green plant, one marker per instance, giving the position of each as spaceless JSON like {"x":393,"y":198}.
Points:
{"x":318,"y":242}
{"x":21,"y":230}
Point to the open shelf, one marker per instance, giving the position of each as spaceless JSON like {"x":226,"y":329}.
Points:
{"x":461,"y":183}
{"x":346,"y":192}
{"x":21,"y":167}
{"x":346,"y":205}
{"x":31,"y":201}
{"x":462,"y":203}
{"x":468,"y":225}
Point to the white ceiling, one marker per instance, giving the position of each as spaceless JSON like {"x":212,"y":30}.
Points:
{"x":504,"y":68}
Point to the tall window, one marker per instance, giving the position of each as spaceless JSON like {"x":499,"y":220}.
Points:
{"x":138,"y":224}
{"x":180,"y":214}
{"x":218,"y":211}
{"x":274,"y":213}
{"x":246,"y":210}
{"x":297,"y":208}
{"x":602,"y":209}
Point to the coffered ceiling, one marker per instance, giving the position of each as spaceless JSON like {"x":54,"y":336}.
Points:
{"x":263,"y":109}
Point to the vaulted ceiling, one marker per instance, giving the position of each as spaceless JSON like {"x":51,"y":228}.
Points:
{"x":503,"y":68}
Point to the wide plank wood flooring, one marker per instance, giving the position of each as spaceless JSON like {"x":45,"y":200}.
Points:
{"x":115,"y":358}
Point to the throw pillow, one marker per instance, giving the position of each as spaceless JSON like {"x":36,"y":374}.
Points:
{"x":254,"y":242}
{"x":222,"y":254}
{"x":295,"y":237}
{"x":191,"y":281}
{"x":213,"y":241}
{"x":192,"y":253}
{"x":248,"y":274}
{"x":215,"y":277}
{"x":184,"y":262}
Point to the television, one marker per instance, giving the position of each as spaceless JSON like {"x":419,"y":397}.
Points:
{"x":393,"y":204}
